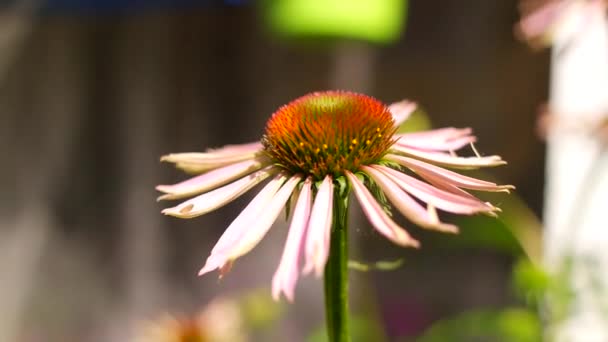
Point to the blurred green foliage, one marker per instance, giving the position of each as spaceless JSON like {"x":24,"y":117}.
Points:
{"x":417,"y":121}
{"x":516,"y":231}
{"x":509,"y":325}
{"x":259,"y":310}
{"x":377,"y":21}
{"x":530,"y":282}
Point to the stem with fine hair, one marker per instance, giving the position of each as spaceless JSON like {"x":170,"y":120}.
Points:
{"x":336,"y":275}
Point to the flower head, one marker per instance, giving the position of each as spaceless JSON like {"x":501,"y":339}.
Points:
{"x":327,"y":133}
{"x":318,"y":146}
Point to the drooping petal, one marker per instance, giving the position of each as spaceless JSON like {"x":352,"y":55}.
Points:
{"x":211,"y":179}
{"x":437,"y":173}
{"x":266,"y":218}
{"x":219,"y":197}
{"x":377,"y":217}
{"x":448,"y":160}
{"x":196,"y":162}
{"x":462,"y":193}
{"x":319,"y":228}
{"x":436,"y":197}
{"x":443,"y":139}
{"x":286,"y":275}
{"x":406,"y":204}
{"x":255,"y":229}
{"x":402,"y":110}
{"x":241,"y":223}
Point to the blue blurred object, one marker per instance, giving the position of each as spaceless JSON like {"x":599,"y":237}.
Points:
{"x":112,"y":6}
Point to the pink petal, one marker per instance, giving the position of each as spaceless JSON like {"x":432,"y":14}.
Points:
{"x":568,"y":17}
{"x":211,"y":179}
{"x":253,"y":231}
{"x":449,"y":160}
{"x":435,"y":136}
{"x":377,"y":217}
{"x":286,"y":275}
{"x":196,"y":162}
{"x":219,"y":197}
{"x":266,"y":218}
{"x":440,"y":134}
{"x":446,"y":176}
{"x":402,"y":110}
{"x":406,"y":204}
{"x":237,"y":148}
{"x":444,"y":139}
{"x":440,"y":184}
{"x":319,"y":228}
{"x":462,"y":193}
{"x":542,"y":20}
{"x":239,"y":225}
{"x":206,"y":158}
{"x":436,"y":197}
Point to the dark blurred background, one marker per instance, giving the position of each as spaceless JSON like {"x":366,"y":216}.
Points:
{"x":92,"y":93}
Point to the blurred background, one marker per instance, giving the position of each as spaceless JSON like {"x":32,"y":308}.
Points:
{"x":92,"y":93}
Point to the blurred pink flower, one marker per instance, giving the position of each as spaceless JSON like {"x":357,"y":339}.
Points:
{"x":318,"y":145}
{"x":219,"y":321}
{"x":542,"y":19}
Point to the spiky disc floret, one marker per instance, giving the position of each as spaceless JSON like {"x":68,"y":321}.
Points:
{"x":329,"y":132}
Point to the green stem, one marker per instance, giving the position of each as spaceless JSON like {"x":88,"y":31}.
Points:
{"x":336,"y":275}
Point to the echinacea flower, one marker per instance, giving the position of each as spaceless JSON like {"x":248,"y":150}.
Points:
{"x":543,"y":20}
{"x":318,"y":146}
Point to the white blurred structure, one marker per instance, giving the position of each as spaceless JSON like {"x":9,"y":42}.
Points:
{"x":576,"y":212}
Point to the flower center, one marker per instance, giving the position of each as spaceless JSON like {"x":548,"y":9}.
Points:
{"x":328,"y":132}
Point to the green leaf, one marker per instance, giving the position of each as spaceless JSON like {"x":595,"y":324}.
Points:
{"x":383,"y":265}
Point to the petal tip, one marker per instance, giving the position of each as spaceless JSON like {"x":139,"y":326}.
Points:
{"x":163,"y":197}
{"x":508,"y":188}
{"x":492,"y":213}
{"x":179,"y":212}
{"x":451,"y":229}
{"x":307,"y":269}
{"x":205,"y":270}
{"x":166,"y":193}
{"x":164,"y":188}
